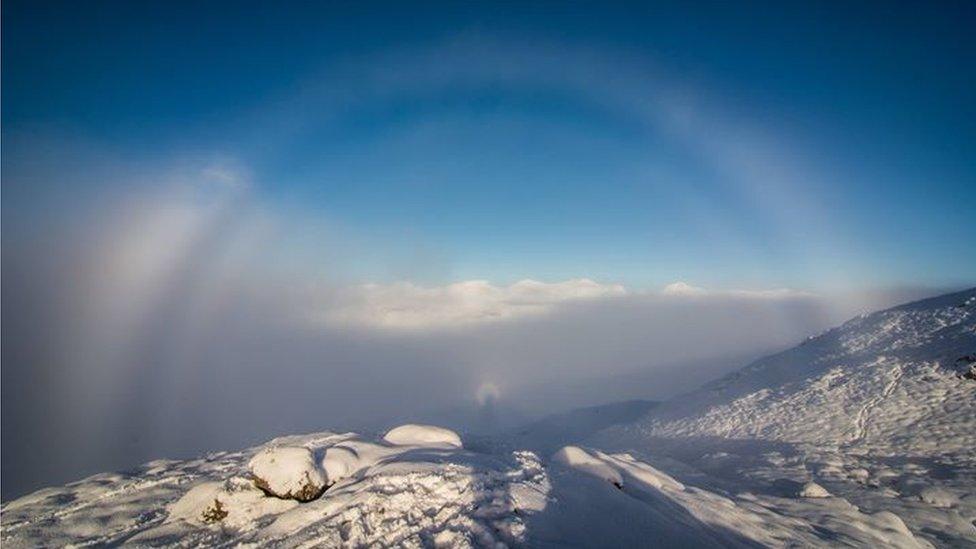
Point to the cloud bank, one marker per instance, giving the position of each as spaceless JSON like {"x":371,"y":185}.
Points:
{"x":405,"y":305}
{"x":683,"y":289}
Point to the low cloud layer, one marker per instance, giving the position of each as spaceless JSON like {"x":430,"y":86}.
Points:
{"x":683,"y":289}
{"x":410,"y":307}
{"x":405,"y":305}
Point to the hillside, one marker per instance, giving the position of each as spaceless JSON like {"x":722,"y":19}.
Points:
{"x":881,"y":410}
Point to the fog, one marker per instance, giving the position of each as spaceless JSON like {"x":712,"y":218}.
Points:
{"x":181,"y":317}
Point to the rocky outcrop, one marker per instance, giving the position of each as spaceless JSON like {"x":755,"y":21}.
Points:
{"x":288,"y":472}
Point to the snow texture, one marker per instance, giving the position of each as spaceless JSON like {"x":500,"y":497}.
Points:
{"x":423,"y":435}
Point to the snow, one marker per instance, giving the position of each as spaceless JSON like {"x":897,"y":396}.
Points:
{"x":235,"y":503}
{"x":288,"y":472}
{"x":615,"y":468}
{"x":396,"y":495}
{"x":423,"y":435}
{"x":581,"y":460}
{"x":353,"y":455}
{"x":814,"y":490}
{"x":706,"y":518}
{"x":414,"y":496}
{"x":341,"y":461}
{"x":938,"y":497}
{"x":859,"y":437}
{"x":876,"y":410}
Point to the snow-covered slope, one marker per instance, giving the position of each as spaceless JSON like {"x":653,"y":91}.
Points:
{"x":888,"y":381}
{"x":881,"y":410}
{"x":862,"y":436}
{"x":424,"y":494}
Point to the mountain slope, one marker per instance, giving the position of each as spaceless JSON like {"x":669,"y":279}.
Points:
{"x":881,"y":410}
{"x":863,"y":383}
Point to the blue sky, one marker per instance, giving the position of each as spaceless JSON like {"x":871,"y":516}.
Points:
{"x":758,"y":145}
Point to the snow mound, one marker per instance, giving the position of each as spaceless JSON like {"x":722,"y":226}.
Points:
{"x":422,"y":435}
{"x":340,"y":462}
{"x":938,"y":497}
{"x":355,"y":454}
{"x":813,"y":490}
{"x":581,"y":460}
{"x":288,"y":472}
{"x":615,"y":468}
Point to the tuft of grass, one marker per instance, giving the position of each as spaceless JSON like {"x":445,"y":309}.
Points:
{"x":214,"y":513}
